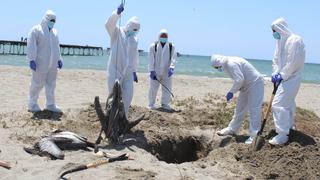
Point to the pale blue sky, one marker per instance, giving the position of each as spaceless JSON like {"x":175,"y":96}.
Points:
{"x":201,"y":27}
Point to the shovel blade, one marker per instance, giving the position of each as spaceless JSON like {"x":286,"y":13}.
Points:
{"x":257,"y":143}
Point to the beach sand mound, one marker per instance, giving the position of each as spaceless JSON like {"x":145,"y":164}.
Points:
{"x":181,"y":137}
{"x":189,"y":135}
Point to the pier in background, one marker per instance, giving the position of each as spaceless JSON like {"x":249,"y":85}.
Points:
{"x":20,"y":48}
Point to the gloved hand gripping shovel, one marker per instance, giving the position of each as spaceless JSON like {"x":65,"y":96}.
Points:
{"x":258,"y":140}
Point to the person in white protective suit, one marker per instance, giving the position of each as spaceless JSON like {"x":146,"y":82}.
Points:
{"x":123,"y":60}
{"x":162,"y":60}
{"x":249,"y":82}
{"x":43,"y":54}
{"x":288,"y":64}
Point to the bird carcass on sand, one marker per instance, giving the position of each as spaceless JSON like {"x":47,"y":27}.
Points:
{"x":114,"y":122}
{"x":57,"y":141}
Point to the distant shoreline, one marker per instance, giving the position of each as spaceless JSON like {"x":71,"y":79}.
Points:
{"x":146,"y":73}
{"x":187,"y":55}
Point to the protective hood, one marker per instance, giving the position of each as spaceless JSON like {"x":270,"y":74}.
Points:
{"x":163,"y":31}
{"x":218,"y":60}
{"x":47,"y":17}
{"x":281,"y":26}
{"x":132,"y":24}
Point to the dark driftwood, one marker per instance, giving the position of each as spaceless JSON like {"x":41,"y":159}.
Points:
{"x":114,"y":122}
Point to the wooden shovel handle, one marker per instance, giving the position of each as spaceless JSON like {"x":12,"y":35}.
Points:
{"x":5,"y":164}
{"x":275,"y":88}
{"x":97,"y":163}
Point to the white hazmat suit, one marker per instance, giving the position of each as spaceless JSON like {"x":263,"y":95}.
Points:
{"x":43,"y":48}
{"x":288,"y":60}
{"x":160,"y":62}
{"x":123,"y":60}
{"x":249,"y":82}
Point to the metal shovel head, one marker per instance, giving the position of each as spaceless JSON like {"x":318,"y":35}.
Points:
{"x":258,"y":142}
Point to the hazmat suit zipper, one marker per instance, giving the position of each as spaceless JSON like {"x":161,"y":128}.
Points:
{"x":51,"y":57}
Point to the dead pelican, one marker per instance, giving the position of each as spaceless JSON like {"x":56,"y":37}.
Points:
{"x":57,"y":141}
{"x":114,"y":122}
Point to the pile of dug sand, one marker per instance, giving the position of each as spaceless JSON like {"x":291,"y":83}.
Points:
{"x":188,"y":136}
{"x":299,"y":158}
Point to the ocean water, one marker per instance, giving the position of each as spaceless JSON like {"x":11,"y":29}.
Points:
{"x":187,"y":65}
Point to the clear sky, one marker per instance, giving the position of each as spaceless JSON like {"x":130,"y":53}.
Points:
{"x":200,"y":27}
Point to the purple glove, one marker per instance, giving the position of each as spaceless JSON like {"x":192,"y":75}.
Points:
{"x":276,"y":78}
{"x":229,"y":96}
{"x":170,"y":72}
{"x":120,"y":9}
{"x":33,"y":65}
{"x":153,"y":75}
{"x":135,"y":77}
{"x":60,"y":64}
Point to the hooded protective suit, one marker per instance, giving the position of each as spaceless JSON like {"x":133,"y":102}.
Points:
{"x":288,"y":61}
{"x":123,"y":60}
{"x":249,"y":82}
{"x":160,"y":62}
{"x":43,"y":47}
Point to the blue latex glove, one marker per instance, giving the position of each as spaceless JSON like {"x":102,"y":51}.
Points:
{"x":33,"y":65}
{"x":60,"y":64}
{"x":135,"y":77}
{"x":170,"y":72}
{"x":120,"y":9}
{"x":276,"y":78}
{"x":229,"y":96}
{"x":153,"y":75}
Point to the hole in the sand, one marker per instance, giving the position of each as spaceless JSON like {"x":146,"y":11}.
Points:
{"x":186,"y":149}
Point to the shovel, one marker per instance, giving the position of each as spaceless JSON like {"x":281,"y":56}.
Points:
{"x":5,"y":164}
{"x":95,"y":164}
{"x":258,"y":140}
{"x":165,"y":88}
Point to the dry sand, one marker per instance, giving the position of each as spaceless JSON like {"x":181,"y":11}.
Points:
{"x":76,"y":88}
{"x":161,"y":135}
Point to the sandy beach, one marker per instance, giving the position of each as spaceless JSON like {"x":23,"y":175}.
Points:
{"x":76,"y":88}
{"x":75,"y":92}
